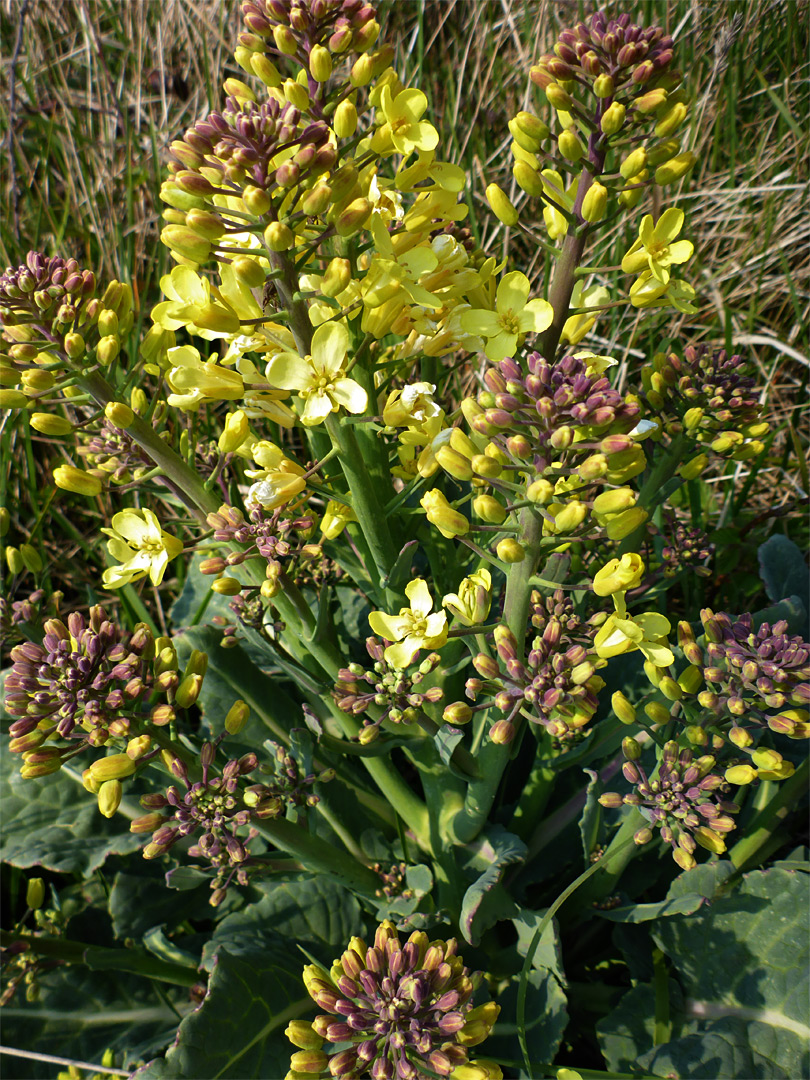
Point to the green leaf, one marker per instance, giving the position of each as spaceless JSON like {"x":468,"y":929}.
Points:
{"x":318,"y":914}
{"x":782,"y":568}
{"x":590,"y":824}
{"x":546,"y":1020}
{"x":548,"y":953}
{"x":485,"y":902}
{"x":238,"y":1031}
{"x":81,"y":1013}
{"x":742,"y":966}
{"x":140,"y":901}
{"x":53,"y":822}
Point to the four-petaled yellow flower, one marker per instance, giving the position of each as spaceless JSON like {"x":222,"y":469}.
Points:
{"x":140,"y":546}
{"x":319,"y":378}
{"x":414,"y":628}
{"x":656,"y":248}
{"x":278,"y":478}
{"x":194,"y":303}
{"x":403,"y":113}
{"x":648,"y":291}
{"x":513,"y":316}
{"x":623,"y":633}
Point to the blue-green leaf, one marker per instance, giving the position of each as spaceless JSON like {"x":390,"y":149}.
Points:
{"x":485,"y":902}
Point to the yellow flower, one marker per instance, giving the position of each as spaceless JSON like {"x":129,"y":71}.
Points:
{"x":554,"y":192}
{"x":193,"y":303}
{"x":403,"y":113}
{"x":320,"y":378}
{"x":513,"y":317}
{"x":335,"y":519}
{"x":411,"y":406}
{"x":471,"y":603}
{"x":194,"y":381}
{"x":414,"y":628}
{"x":623,"y":633}
{"x":619,"y":575}
{"x":577,"y":326}
{"x":648,"y":291}
{"x":656,"y":248}
{"x":140,"y":546}
{"x":278,"y":479}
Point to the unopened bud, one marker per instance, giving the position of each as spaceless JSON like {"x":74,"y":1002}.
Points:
{"x":674,"y":169}
{"x":237,"y":717}
{"x":109,"y":797}
{"x":501,"y":205}
{"x":658,"y":713}
{"x":278,"y":236}
{"x":234,"y":432}
{"x":458,"y":712}
{"x":352,"y":219}
{"x":671,"y":120}
{"x":594,"y":203}
{"x":35,"y":893}
{"x":528,"y":179}
{"x":31,"y":558}
{"x":691,"y":470}
{"x":489,"y":509}
{"x":78,"y":481}
{"x":502,"y":732}
{"x":603,"y":86}
{"x":226,"y":586}
{"x":266,"y":70}
{"x":509,"y":550}
{"x":623,"y":708}
{"x":186,"y":242}
{"x":114,"y":767}
{"x":119,"y":414}
{"x":570,"y":145}
{"x":613,"y":118}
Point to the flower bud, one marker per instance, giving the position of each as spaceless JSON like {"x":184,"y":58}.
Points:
{"x":189,"y":689}
{"x":603,"y":85}
{"x":226,"y":586}
{"x":458,"y":712}
{"x":540,"y":492}
{"x":5,"y":520}
{"x":344,"y":120}
{"x":527,"y":179}
{"x":626,"y":523}
{"x":114,"y":767}
{"x":557,"y":97}
{"x":650,"y":101}
{"x":36,"y":381}
{"x":234,"y":433}
{"x":14,"y":560}
{"x":614,"y":501}
{"x":440,"y":513}
{"x":690,"y":679}
{"x":31,"y":558}
{"x":489,"y":509}
{"x":278,"y":236}
{"x":502,"y":732}
{"x":109,"y":797}
{"x":691,"y":470}
{"x":570,"y":145}
{"x":119,"y":414}
{"x":658,"y":713}
{"x":670,"y":689}
{"x":237,"y":717}
{"x":107,"y":350}
{"x":671,"y":120}
{"x":352,"y":219}
{"x":739,"y":775}
{"x":570,"y":517}
{"x":266,"y":70}
{"x":300,"y":1034}
{"x":623,"y":709}
{"x":186,"y":242}
{"x":35,"y":893}
{"x":634,"y":163}
{"x":510,"y":551}
{"x":12,"y":399}
{"x":594,"y":204}
{"x":138,"y":746}
{"x":501,"y":205}
{"x":320,"y":63}
{"x":76,"y":480}
{"x":613,"y":118}
{"x":674,"y":169}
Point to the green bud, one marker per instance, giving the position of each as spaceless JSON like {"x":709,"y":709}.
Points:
{"x":670,"y":689}
{"x":603,"y":86}
{"x":31,"y":559}
{"x":226,"y":586}
{"x":658,"y":713}
{"x":5,"y":521}
{"x":691,"y":470}
{"x":188,"y":691}
{"x":36,"y":381}
{"x":256,"y":200}
{"x":107,"y":322}
{"x":634,"y":163}
{"x":107,"y":350}
{"x":489,"y":509}
{"x":510,"y":551}
{"x":671,"y":120}
{"x":138,"y":401}
{"x":14,"y":561}
{"x":557,"y":97}
{"x":674,"y":169}
{"x":12,"y":399}
{"x":458,"y":712}
{"x":205,"y":224}
{"x":352,"y":219}
{"x":301,"y":1034}
{"x":336,"y":277}
{"x":35,"y":893}
{"x":316,"y":200}
{"x":237,"y":717}
{"x":631,"y":748}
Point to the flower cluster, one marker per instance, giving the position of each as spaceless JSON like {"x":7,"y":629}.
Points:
{"x":759,"y":677}
{"x":683,"y":800}
{"x":87,"y":682}
{"x":266,"y":533}
{"x":52,"y":321}
{"x":556,"y":684}
{"x":685,"y":549}
{"x":391,"y":693}
{"x":218,"y":808}
{"x":405,"y":1011}
{"x":710,"y":397}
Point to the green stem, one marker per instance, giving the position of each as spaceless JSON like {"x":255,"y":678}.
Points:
{"x":367,"y":507}
{"x":137,"y":961}
{"x":187,"y":484}
{"x":317,"y":854}
{"x":611,"y":866}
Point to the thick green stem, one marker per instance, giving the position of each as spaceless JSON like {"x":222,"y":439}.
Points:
{"x":366,"y":505}
{"x":317,"y":854}
{"x":137,"y":961}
